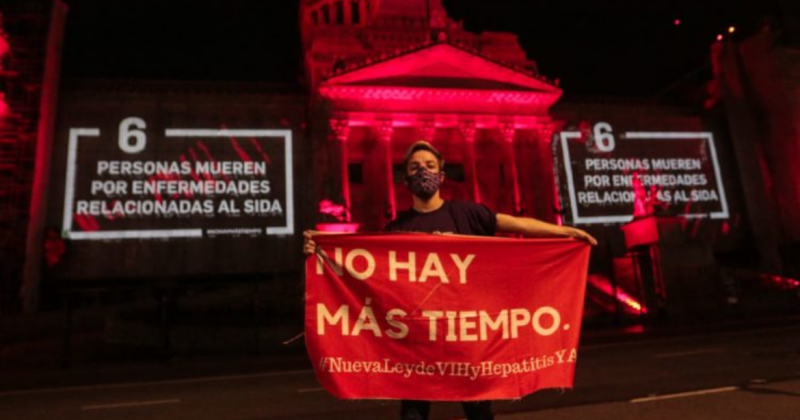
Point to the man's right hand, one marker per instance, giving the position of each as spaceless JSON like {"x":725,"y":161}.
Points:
{"x":309,"y":246}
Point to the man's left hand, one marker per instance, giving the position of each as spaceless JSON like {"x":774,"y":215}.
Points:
{"x":580,"y":235}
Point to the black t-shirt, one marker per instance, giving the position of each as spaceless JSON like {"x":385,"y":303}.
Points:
{"x":458,"y":217}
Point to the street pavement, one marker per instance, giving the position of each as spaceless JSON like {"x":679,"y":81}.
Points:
{"x":733,"y":374}
{"x":758,"y":401}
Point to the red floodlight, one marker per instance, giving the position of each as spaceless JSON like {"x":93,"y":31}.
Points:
{"x":5,"y":48}
{"x":4,"y":108}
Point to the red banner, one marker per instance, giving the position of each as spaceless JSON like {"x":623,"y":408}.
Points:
{"x":442,"y":317}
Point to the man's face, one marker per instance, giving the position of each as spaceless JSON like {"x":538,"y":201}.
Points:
{"x":422,"y":159}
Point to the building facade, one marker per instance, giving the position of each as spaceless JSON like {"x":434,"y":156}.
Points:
{"x":378,"y":76}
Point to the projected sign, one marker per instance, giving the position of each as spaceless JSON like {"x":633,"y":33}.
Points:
{"x":606,"y":176}
{"x":177,"y":183}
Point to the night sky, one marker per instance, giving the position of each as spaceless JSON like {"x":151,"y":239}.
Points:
{"x":610,"y":47}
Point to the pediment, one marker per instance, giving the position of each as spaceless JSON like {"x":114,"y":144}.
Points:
{"x":441,"y":66}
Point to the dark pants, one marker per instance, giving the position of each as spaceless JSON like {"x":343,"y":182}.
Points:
{"x":418,"y":410}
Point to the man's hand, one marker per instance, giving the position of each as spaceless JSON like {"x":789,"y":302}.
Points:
{"x":309,"y":246}
{"x":580,"y":235}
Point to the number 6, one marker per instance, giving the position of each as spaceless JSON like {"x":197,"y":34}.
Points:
{"x":132,"y":128}
{"x":603,"y":139}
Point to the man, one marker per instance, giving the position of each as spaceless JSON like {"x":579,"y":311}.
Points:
{"x":433,"y":214}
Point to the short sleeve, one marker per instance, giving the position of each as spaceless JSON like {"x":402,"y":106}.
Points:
{"x":483,"y":219}
{"x":473,"y":219}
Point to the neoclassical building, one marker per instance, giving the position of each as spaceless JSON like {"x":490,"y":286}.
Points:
{"x":385,"y":73}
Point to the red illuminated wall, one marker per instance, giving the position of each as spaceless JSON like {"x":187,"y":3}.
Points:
{"x":169,"y":105}
{"x":760,"y":92}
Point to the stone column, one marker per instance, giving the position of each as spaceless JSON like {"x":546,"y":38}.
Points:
{"x":340,"y":130}
{"x":362,"y":5}
{"x":544,"y":150}
{"x":385,"y":129}
{"x":468,"y":131}
{"x":347,"y":9}
{"x":507,"y":130}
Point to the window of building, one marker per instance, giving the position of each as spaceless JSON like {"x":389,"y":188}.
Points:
{"x":326,"y":14}
{"x":399,"y":173}
{"x":355,"y":12}
{"x":338,"y":8}
{"x":355,"y":172}
{"x":454,"y":172}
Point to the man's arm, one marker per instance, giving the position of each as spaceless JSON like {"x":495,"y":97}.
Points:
{"x":538,"y":229}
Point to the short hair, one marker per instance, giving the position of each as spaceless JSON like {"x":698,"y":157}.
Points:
{"x":422,"y":145}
